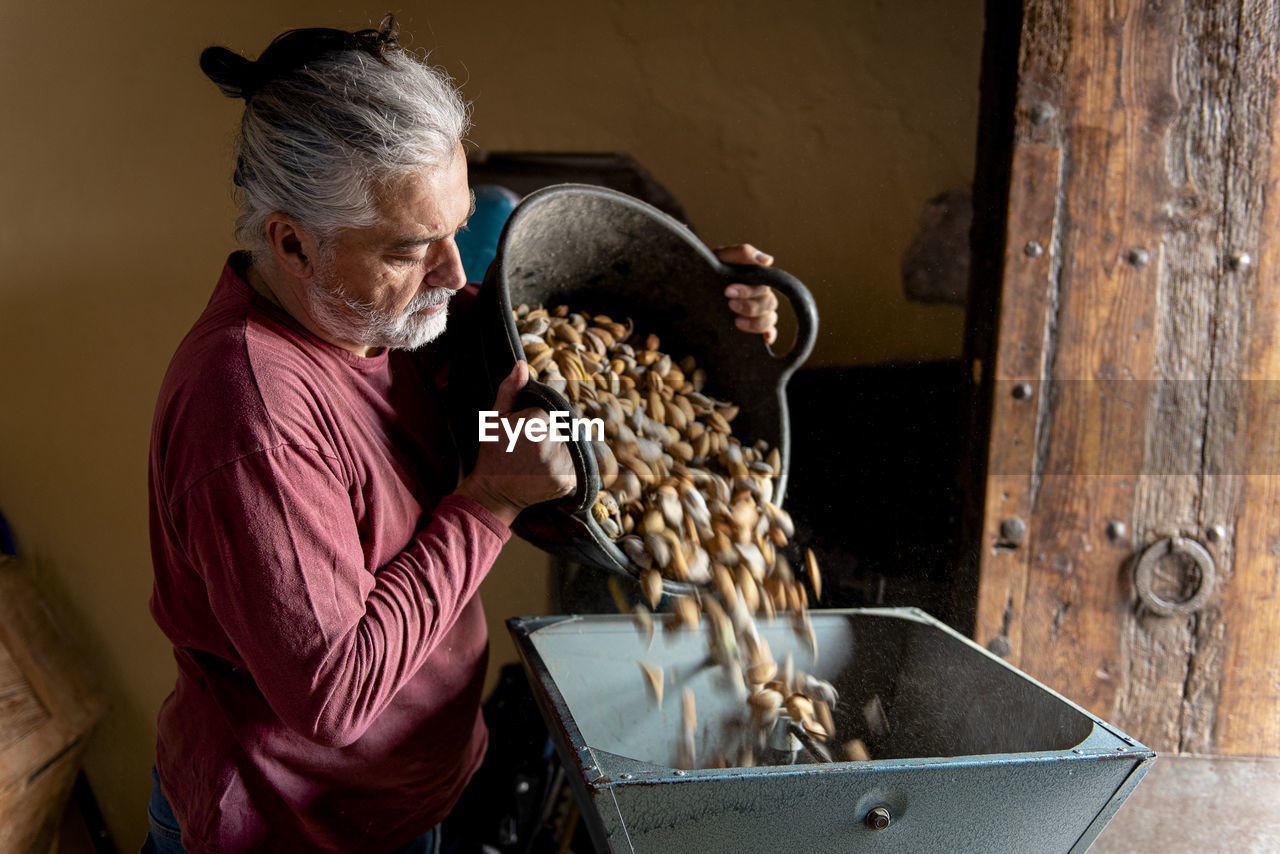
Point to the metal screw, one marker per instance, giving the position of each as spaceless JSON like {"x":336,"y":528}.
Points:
{"x":1000,"y":646}
{"x":1022,"y":391}
{"x":1241,"y":261}
{"x":1041,"y":113}
{"x":1013,"y":529}
{"x":1217,"y":533}
{"x":1139,"y":257}
{"x":1116,"y":530}
{"x":1033,"y":249}
{"x":879,"y":818}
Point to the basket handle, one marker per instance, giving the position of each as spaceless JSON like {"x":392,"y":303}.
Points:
{"x":539,"y":395}
{"x":802,"y":304}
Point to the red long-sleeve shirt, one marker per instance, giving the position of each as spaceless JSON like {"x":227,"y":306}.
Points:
{"x":318,"y":583}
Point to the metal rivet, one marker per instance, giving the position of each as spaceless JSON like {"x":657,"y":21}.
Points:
{"x":1033,"y":249}
{"x":1041,"y":113}
{"x":1013,"y":529}
{"x":1216,"y":533}
{"x":879,"y":818}
{"x":628,"y":776}
{"x":1116,"y":530}
{"x":522,"y":787}
{"x":679,"y":773}
{"x":1022,"y":391}
{"x":1241,"y":261}
{"x":1139,"y":257}
{"x":1000,"y":646}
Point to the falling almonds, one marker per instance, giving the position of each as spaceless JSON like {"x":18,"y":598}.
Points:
{"x":651,"y":583}
{"x":689,"y":714}
{"x":686,"y":613}
{"x":873,"y":714}
{"x":815,"y":577}
{"x":644,"y":623}
{"x":823,"y":714}
{"x":653,"y":678}
{"x":685,"y":500}
{"x":855,"y":751}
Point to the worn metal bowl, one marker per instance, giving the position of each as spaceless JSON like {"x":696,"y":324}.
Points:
{"x":605,"y":252}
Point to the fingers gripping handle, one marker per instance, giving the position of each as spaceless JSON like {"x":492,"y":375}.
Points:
{"x":802,"y":303}
{"x":542,"y":396}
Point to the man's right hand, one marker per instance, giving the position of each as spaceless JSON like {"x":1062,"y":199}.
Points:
{"x":505,"y":482}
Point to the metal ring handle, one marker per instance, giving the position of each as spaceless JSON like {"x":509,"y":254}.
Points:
{"x":1145,"y":577}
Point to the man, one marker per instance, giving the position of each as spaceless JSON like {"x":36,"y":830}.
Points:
{"x":316,"y":557}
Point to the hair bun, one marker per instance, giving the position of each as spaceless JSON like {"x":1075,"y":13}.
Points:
{"x":239,"y":77}
{"x":229,"y":71}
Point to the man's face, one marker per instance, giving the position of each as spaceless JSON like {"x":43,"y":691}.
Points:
{"x":388,"y":285}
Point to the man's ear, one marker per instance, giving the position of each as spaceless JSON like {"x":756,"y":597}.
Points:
{"x":293,"y":246}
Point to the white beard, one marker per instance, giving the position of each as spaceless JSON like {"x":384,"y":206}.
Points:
{"x":341,"y":316}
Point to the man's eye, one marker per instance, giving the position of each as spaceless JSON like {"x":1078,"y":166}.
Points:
{"x":405,"y":260}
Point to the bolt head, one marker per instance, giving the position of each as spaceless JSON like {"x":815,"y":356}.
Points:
{"x":1116,"y":530}
{"x":1022,"y":391}
{"x":1000,"y":646}
{"x":879,"y":818}
{"x":1138,"y":257}
{"x":1033,"y":249}
{"x":1041,"y":113}
{"x":1241,"y":261}
{"x":1013,"y":529}
{"x":1217,"y":533}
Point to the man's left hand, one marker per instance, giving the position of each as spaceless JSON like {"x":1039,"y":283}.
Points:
{"x":755,"y":305}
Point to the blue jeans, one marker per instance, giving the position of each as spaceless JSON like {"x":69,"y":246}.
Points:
{"x":166,"y":838}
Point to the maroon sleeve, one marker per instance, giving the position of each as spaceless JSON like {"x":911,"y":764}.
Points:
{"x":337,"y":641}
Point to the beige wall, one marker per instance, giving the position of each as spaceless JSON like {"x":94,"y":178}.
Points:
{"x":817,"y":133}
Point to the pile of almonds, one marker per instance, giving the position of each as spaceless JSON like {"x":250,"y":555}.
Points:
{"x":685,"y":500}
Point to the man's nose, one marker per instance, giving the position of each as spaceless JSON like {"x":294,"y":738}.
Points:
{"x":448,"y":272}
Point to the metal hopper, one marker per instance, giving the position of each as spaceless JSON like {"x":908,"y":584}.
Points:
{"x":970,"y":754}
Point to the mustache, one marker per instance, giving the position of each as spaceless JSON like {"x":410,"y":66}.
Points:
{"x":430,"y":299}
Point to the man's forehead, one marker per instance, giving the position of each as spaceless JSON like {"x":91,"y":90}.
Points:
{"x":410,"y":232}
{"x":429,"y":186}
{"x":431,"y":202}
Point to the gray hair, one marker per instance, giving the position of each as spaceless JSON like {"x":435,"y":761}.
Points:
{"x":329,"y":117}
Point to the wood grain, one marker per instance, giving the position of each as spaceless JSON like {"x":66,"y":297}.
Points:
{"x":1019,"y":359}
{"x":54,"y":705}
{"x":1153,"y":352}
{"x":21,"y":711}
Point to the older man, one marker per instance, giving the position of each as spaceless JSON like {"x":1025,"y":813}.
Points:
{"x":316,"y":558}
